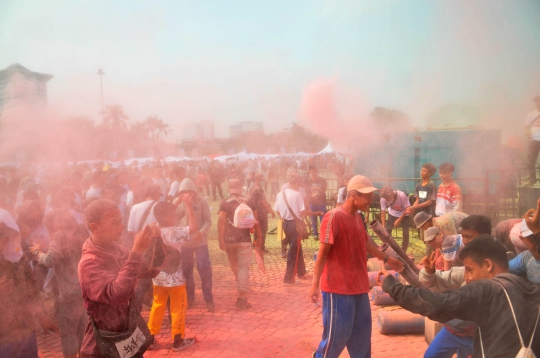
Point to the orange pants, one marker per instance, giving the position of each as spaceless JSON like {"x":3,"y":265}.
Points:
{"x":178,"y":298}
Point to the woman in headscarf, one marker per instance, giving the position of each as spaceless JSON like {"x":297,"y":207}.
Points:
{"x":21,"y":296}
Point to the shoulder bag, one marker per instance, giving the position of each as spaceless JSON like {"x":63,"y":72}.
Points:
{"x":132,"y":343}
{"x":301,"y":228}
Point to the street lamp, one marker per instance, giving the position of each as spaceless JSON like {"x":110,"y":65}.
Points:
{"x":101,"y":73}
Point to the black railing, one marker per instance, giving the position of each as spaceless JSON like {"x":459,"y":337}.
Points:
{"x":495,"y":195}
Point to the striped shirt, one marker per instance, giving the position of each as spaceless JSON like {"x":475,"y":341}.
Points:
{"x":451,"y":246}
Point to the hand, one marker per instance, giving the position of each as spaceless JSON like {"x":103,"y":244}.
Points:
{"x":47,"y":324}
{"x":143,"y":239}
{"x":319,"y":213}
{"x":429,"y":263}
{"x":313,"y":294}
{"x":178,"y":200}
{"x":395,"y":264}
{"x":258,"y":242}
{"x":273,"y":215}
{"x":532,"y":218}
{"x":221,"y":245}
{"x":6,"y":286}
{"x":382,"y":273}
{"x":35,"y":246}
{"x":196,"y":236}
{"x":188,"y":200}
{"x":410,"y":210}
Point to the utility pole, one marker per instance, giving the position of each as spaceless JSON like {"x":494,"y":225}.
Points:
{"x":101,"y":73}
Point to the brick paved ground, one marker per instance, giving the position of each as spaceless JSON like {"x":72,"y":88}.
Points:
{"x":281,"y":323}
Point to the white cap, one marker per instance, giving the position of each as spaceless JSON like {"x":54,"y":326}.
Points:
{"x":525,"y":231}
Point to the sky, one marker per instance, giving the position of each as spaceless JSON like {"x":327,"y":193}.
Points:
{"x":443,"y":62}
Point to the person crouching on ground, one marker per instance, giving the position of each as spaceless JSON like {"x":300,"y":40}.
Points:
{"x":172,"y":286}
{"x":108,"y":273}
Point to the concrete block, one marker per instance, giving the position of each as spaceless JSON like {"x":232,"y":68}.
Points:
{"x":431,"y":329}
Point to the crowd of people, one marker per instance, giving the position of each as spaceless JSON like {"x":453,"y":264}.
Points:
{"x":86,"y":236}
{"x":483,"y":283}
{"x":106,"y":242}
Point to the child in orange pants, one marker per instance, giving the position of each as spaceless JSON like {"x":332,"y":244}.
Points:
{"x":171,"y":284}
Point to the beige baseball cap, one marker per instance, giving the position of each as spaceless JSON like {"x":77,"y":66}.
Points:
{"x":361,"y":184}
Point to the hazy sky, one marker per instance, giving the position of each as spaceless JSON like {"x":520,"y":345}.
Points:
{"x":231,"y":61}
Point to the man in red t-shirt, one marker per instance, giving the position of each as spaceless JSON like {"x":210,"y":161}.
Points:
{"x":341,"y":271}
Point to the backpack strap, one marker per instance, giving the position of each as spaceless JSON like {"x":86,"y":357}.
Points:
{"x":481,"y":343}
{"x":535,"y":325}
{"x":514,"y":315}
{"x":515,"y":320}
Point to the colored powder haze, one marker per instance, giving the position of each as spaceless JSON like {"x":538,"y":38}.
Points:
{"x":325,"y":63}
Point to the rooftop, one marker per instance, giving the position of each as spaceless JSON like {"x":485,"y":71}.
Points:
{"x":18,"y":68}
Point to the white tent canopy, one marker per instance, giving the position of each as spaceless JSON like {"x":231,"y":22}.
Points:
{"x":328,"y":149}
{"x":171,"y":159}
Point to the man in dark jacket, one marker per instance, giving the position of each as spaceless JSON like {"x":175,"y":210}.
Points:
{"x":108,"y":273}
{"x":482,"y":300}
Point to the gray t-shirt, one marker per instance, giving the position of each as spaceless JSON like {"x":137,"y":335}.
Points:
{"x":425,"y":193}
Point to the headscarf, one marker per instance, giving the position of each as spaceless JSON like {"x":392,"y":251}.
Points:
{"x":12,"y":251}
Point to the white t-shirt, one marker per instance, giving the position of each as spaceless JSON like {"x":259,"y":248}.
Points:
{"x":301,"y":190}
{"x":129,"y":198}
{"x":174,"y":188}
{"x":136,"y":213}
{"x":93,"y":192}
{"x":514,"y":235}
{"x":534,"y":125}
{"x":296,"y":202}
{"x":397,"y":206}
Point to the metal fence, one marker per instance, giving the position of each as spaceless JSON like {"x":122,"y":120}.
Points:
{"x":494,"y":195}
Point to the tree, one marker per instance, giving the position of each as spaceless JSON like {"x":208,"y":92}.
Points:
{"x":388,"y":116}
{"x":156,"y":127}
{"x":114,"y":118}
{"x":390,"y":121}
{"x":139,"y":130}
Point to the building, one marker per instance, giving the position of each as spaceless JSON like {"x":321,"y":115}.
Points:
{"x":238,"y":129}
{"x":19,"y":85}
{"x":203,"y":130}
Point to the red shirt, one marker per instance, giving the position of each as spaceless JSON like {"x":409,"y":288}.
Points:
{"x":345,"y":271}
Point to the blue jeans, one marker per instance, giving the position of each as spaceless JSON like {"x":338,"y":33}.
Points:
{"x":347,"y":323}
{"x":204,"y":268}
{"x":25,"y":348}
{"x":296,"y":266}
{"x":446,"y":344}
{"x":315,"y":219}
